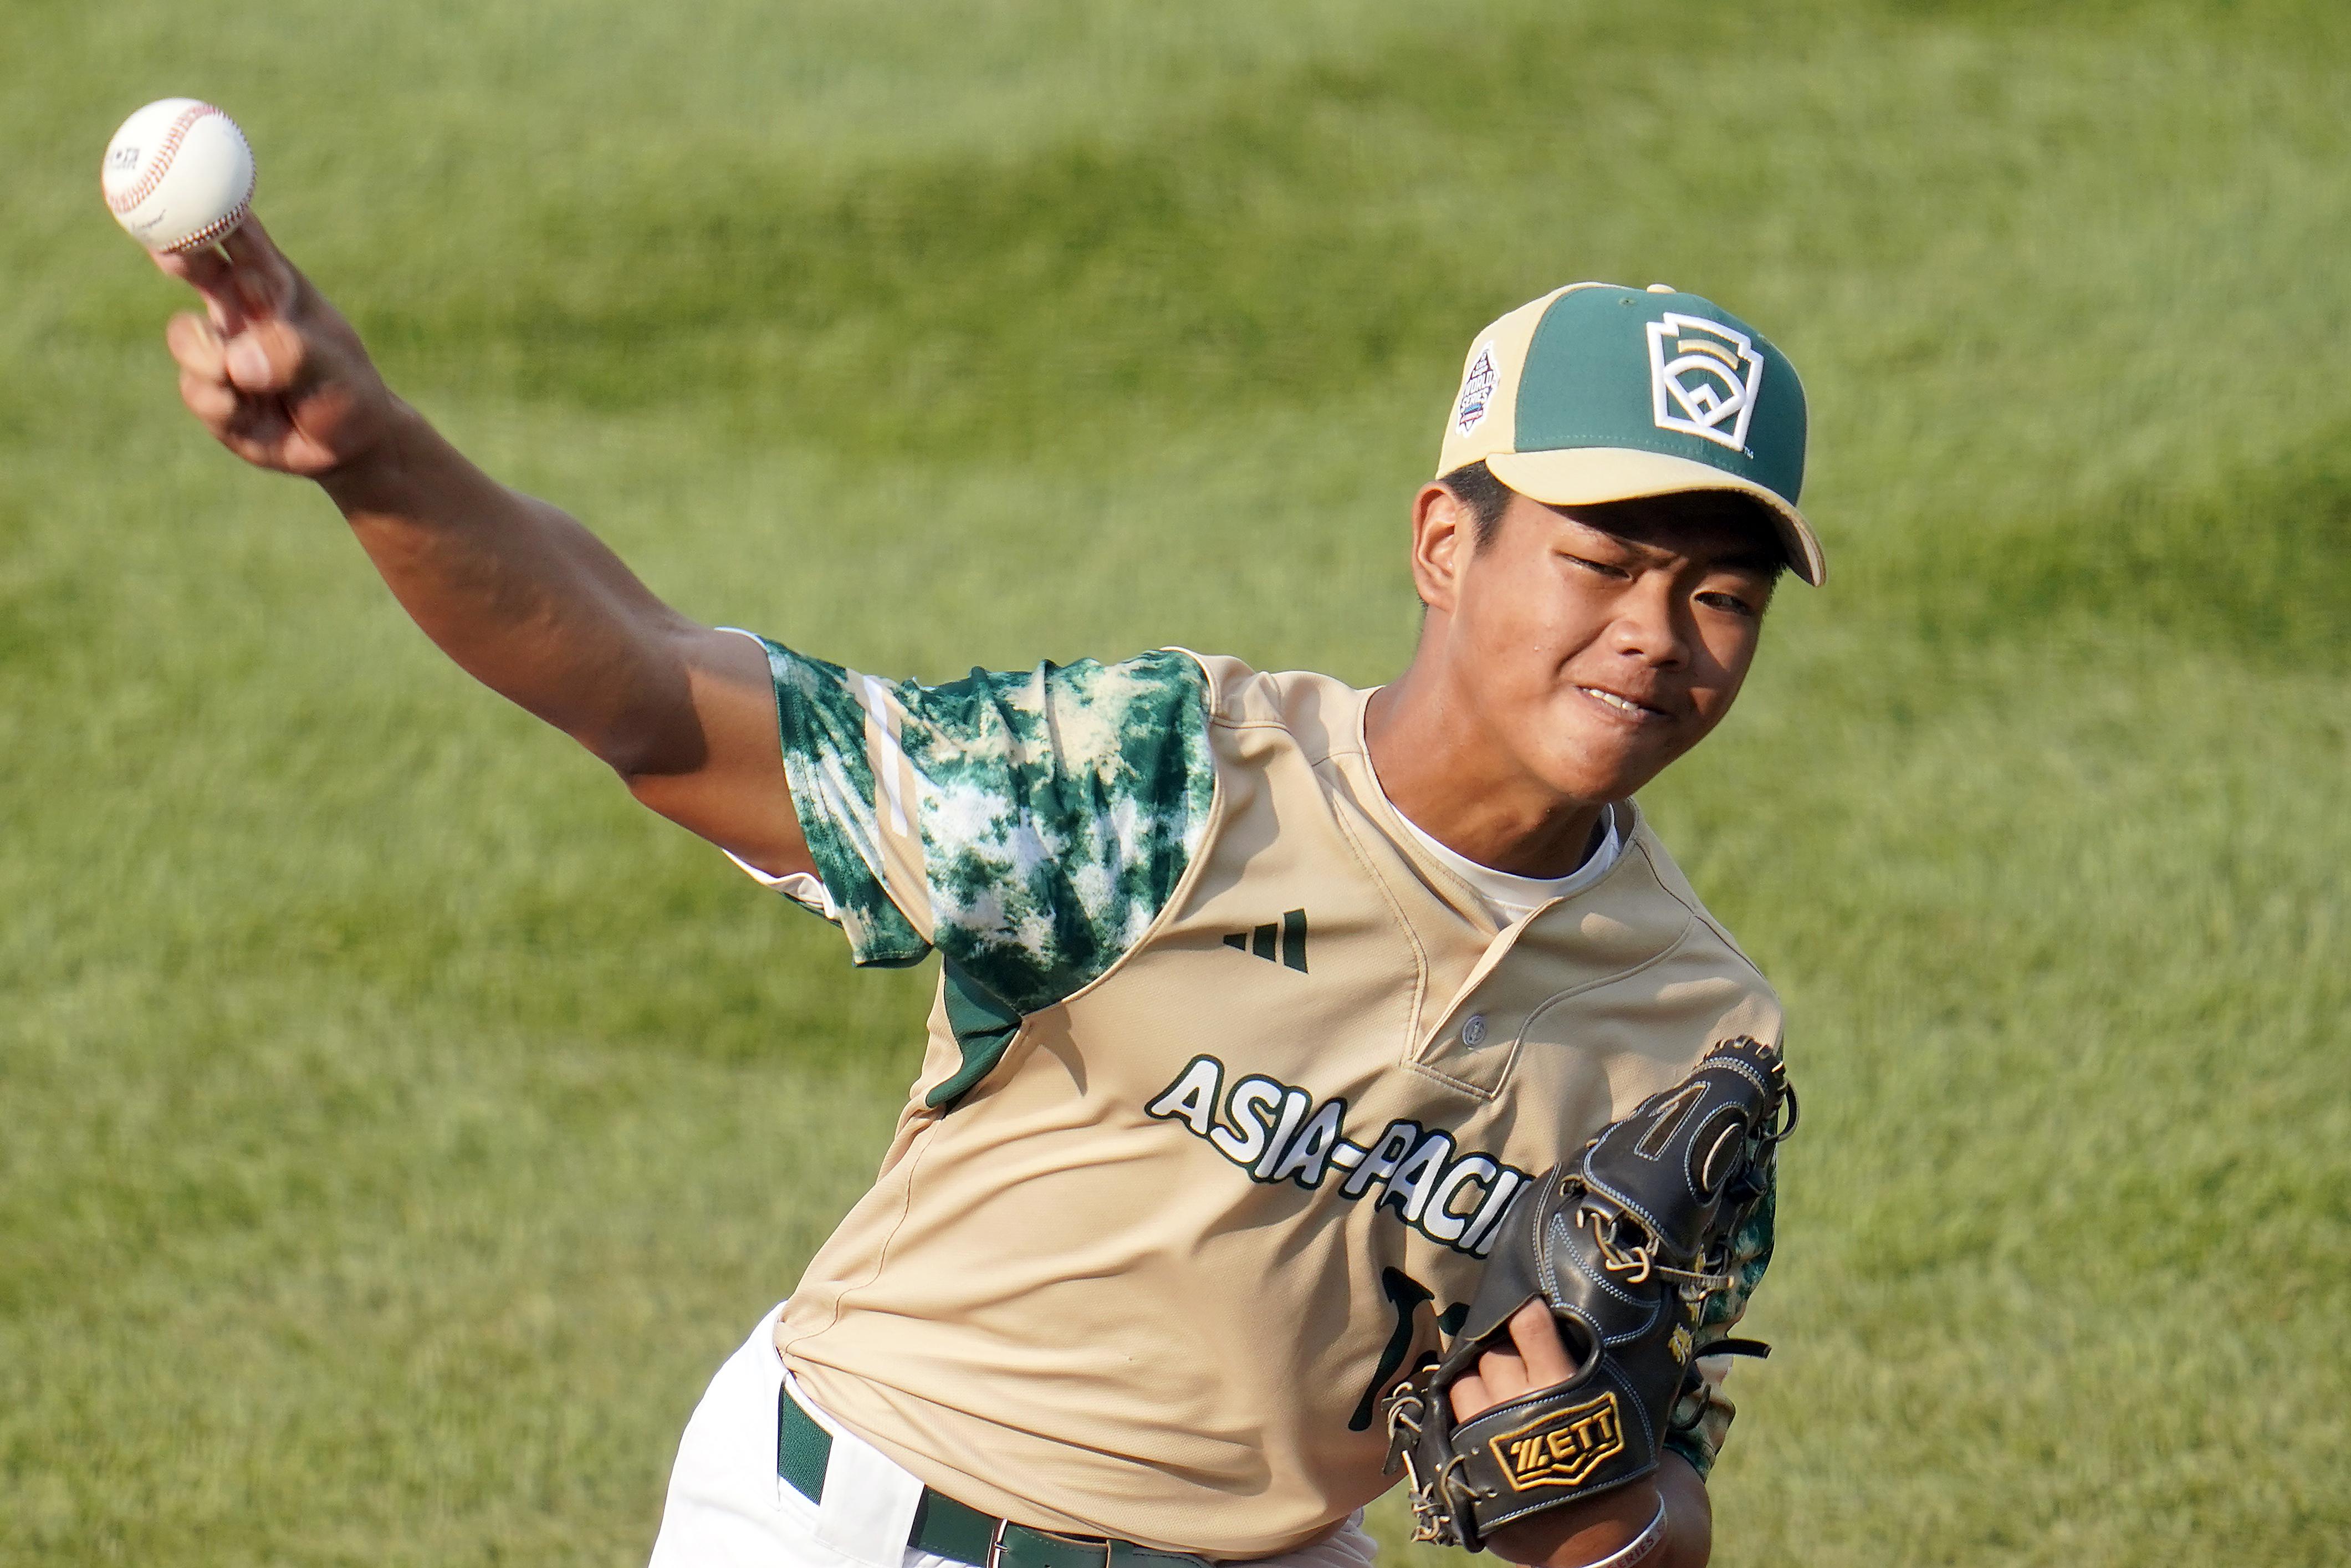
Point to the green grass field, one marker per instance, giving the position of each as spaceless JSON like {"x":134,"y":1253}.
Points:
{"x":397,"y":1126}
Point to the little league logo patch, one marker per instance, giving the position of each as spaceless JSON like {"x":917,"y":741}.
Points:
{"x":1562,"y":1448}
{"x":1703,"y":377}
{"x":1477,"y":390}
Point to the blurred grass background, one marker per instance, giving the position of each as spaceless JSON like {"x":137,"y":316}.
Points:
{"x":396,"y":1126}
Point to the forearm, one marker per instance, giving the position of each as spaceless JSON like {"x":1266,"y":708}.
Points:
{"x":524,"y":599}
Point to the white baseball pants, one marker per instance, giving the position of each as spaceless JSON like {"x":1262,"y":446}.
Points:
{"x":728,"y":1509}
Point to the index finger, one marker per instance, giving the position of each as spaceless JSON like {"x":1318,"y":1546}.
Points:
{"x":1536,"y":1333}
{"x":208,"y":272}
{"x":244,"y":278}
{"x":264,"y":278}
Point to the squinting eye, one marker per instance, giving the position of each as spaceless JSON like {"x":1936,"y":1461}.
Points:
{"x":1727,"y":601}
{"x":1602,"y":567}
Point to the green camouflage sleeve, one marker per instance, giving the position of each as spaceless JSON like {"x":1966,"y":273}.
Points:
{"x":1703,"y":1418}
{"x":1030,"y":824}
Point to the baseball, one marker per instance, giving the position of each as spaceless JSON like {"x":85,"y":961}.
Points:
{"x":178,"y":175}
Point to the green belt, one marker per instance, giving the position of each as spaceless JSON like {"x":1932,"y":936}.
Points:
{"x":949,"y":1529}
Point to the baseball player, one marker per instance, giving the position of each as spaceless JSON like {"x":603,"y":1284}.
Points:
{"x":1262,"y":997}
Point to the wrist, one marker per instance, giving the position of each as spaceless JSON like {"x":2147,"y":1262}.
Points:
{"x":1592,"y":1531}
{"x":374,"y":479}
{"x":1645,"y":1547}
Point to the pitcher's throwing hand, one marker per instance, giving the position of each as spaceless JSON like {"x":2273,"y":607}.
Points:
{"x":272,"y":369}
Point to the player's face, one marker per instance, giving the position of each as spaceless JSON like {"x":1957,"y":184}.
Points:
{"x":1600,"y":655}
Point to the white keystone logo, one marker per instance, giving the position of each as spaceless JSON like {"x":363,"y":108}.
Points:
{"x":1702,"y":378}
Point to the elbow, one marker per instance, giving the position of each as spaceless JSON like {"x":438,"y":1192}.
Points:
{"x":648,"y":771}
{"x":665,"y":792}
{"x":658,"y":744}
{"x":643,"y":723}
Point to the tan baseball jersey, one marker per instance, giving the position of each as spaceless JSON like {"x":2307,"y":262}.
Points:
{"x":1229,"y":1083}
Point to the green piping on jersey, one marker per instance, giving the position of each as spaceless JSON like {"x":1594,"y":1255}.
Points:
{"x":983,"y":1027}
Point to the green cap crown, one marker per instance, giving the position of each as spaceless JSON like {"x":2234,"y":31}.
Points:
{"x":1670,"y":374}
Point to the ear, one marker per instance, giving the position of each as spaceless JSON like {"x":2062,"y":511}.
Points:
{"x":1444,"y":533}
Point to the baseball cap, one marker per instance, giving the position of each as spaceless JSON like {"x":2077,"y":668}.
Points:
{"x":1598,"y":392}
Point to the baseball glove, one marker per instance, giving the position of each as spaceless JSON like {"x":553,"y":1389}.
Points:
{"x":1624,"y":1240}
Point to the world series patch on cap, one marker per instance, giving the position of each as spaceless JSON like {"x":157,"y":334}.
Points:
{"x":1597,"y":392}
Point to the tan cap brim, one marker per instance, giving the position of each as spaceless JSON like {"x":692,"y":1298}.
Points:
{"x":1588,"y":476}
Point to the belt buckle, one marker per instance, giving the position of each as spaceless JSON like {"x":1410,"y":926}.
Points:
{"x":995,"y":1542}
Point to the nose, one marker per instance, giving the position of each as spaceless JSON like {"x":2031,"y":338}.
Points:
{"x":1648,"y":625}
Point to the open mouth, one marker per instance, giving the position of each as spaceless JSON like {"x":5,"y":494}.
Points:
{"x":1624,"y":705}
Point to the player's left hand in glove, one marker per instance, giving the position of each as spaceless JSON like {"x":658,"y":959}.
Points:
{"x":1623,"y":1242}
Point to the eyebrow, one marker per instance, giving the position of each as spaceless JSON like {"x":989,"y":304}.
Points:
{"x":1763,"y":562}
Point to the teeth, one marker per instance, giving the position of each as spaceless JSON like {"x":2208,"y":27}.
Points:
{"x":1613,"y":700}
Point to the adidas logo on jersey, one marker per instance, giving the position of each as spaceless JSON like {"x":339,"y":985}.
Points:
{"x":1289,"y":938}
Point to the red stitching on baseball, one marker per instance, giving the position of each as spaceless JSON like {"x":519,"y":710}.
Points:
{"x":214,"y":229}
{"x":161,"y":164}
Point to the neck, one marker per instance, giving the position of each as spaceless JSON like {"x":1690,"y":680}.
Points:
{"x":1441,"y":766}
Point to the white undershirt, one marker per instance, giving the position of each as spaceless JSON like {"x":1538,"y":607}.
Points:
{"x":1512,"y":898}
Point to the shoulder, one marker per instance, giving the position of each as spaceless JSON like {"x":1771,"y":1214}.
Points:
{"x":1085,"y":709}
{"x":1070,"y":754}
{"x":1321,"y":714}
{"x":1705,"y":929}
{"x":1060,"y":807}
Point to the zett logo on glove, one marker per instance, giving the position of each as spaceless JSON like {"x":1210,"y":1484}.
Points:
{"x":1561,"y":1448}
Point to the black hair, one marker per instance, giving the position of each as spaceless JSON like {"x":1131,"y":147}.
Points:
{"x":1474,"y":485}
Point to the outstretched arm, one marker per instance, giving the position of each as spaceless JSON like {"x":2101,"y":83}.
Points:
{"x":523,"y":598}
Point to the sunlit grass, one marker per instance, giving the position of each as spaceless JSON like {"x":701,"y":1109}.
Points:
{"x":399,"y":1126}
